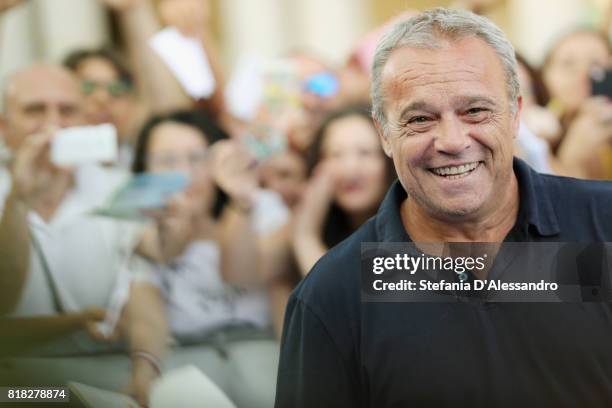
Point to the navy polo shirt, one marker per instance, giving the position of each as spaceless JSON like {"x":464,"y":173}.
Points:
{"x":338,"y":351}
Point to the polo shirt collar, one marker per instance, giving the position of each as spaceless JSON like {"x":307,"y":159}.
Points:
{"x":535,"y":203}
{"x":389,"y":226}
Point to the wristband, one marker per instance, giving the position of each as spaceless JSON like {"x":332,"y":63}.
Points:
{"x":154,"y":361}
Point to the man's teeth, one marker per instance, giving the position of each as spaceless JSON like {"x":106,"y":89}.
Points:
{"x":455,"y":170}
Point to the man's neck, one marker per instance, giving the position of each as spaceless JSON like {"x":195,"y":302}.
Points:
{"x":48,"y":204}
{"x":493,"y":226}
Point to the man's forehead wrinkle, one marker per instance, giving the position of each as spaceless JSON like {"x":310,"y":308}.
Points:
{"x":29,"y":84}
{"x":398,"y":88}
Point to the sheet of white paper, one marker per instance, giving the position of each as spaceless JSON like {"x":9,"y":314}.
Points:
{"x":84,"y":144}
{"x":244,"y":90}
{"x":118,"y":299}
{"x":187,"y":60}
{"x":187,"y":387}
{"x":92,"y":397}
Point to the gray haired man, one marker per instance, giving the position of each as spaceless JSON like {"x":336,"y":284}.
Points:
{"x":446,"y":102}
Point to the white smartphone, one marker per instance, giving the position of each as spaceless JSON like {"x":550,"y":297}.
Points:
{"x":84,"y":144}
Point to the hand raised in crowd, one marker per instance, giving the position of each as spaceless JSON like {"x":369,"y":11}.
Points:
{"x":34,"y":175}
{"x":309,"y":218}
{"x":589,"y":131}
{"x":542,"y":122}
{"x":190,"y":17}
{"x":234,"y":171}
{"x":316,"y":200}
{"x":7,"y":4}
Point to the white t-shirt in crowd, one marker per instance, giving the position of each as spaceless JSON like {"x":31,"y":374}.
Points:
{"x":197,"y":299}
{"x":84,"y":254}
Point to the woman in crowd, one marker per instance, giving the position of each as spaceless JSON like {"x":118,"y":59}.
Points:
{"x":349,"y":176}
{"x":109,"y":91}
{"x":204,"y":284}
{"x":585,"y":146}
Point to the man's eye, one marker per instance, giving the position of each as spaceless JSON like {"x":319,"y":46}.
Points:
{"x":477,"y":115}
{"x":475,"y":111}
{"x":418,"y":120}
{"x":35,"y":109}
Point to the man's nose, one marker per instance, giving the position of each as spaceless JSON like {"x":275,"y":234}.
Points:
{"x":53,"y":119}
{"x":349,"y":163}
{"x":101,"y":95}
{"x":453,"y":136}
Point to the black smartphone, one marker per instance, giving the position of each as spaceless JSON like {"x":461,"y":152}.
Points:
{"x":601,"y":82}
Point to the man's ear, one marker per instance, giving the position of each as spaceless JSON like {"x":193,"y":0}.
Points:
{"x":517,"y":115}
{"x":384,"y":140}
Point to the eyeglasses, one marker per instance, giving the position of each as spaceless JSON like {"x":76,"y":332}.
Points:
{"x":172,"y":161}
{"x":114,"y":88}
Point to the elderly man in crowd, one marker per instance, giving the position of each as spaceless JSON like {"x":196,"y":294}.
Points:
{"x":59,"y":263}
{"x":446,"y":102}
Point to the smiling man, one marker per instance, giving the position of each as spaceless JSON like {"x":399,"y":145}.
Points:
{"x":446,"y":102}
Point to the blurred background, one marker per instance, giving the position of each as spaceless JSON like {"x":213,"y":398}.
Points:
{"x":173,"y":168}
{"x":271,"y":28}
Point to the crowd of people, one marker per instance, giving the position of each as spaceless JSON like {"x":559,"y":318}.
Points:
{"x":214,"y":268}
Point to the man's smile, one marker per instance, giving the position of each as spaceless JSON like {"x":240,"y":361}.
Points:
{"x":456,"y":171}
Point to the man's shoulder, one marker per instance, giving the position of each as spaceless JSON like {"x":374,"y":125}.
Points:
{"x":582,"y":207}
{"x":569,"y":193}
{"x":578,"y":189}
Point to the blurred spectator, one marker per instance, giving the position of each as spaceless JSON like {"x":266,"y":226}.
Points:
{"x":585,"y":146}
{"x":538,"y":124}
{"x":206,"y":278}
{"x":193,"y":19}
{"x":323,"y":90}
{"x":349,"y":177}
{"x":568,"y":65}
{"x":108,"y":88}
{"x":66,"y":260}
{"x":112,"y":93}
{"x":538,"y":119}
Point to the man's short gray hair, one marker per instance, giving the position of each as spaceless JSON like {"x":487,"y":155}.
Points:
{"x":429,"y":30}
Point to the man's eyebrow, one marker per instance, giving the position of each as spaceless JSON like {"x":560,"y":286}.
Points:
{"x":461,"y":101}
{"x":414,"y":106}
{"x":32,"y":105}
{"x":469,"y":100}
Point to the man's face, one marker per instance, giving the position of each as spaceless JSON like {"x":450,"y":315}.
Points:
{"x":39,"y":99}
{"x":450,"y":126}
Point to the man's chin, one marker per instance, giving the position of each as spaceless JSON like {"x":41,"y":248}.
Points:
{"x":459,"y":210}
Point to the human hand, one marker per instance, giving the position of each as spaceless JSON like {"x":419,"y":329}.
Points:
{"x":233,"y":170}
{"x":7,"y":4}
{"x":542,"y":122}
{"x":140,"y":382}
{"x":89,"y":319}
{"x":592,"y":127}
{"x":316,"y":200}
{"x":588,"y":132}
{"x":33,"y":174}
{"x":190,"y":17}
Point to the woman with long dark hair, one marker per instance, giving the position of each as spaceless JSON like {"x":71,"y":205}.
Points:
{"x":203,"y":285}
